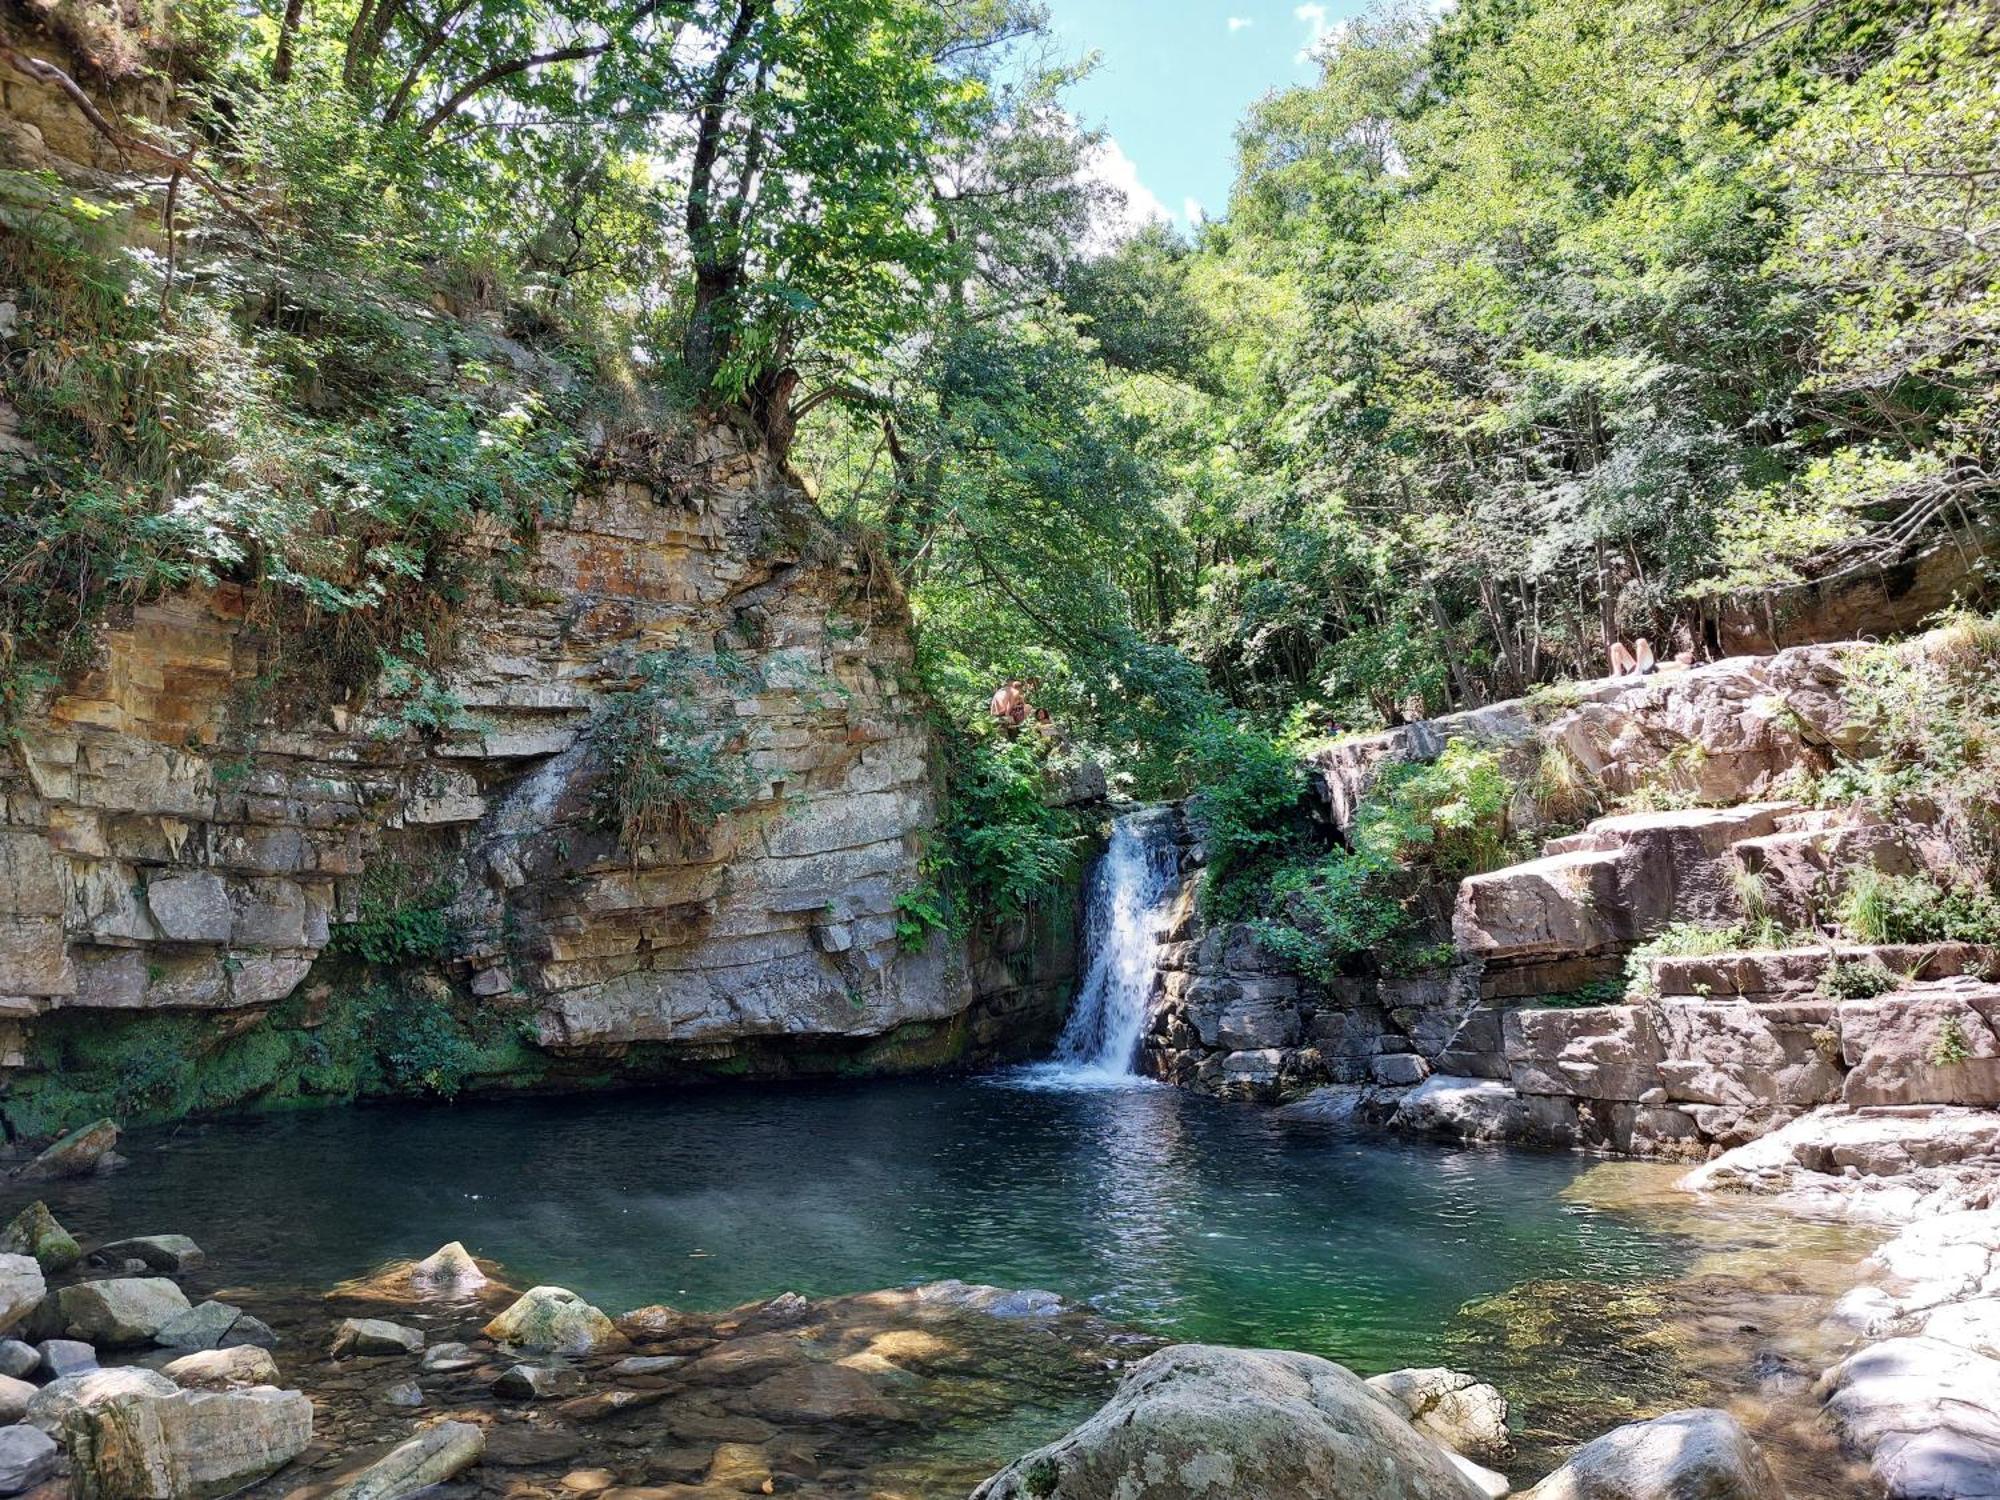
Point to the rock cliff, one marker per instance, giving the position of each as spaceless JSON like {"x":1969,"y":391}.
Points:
{"x":175,"y":847}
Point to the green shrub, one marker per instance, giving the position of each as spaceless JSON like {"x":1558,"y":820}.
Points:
{"x":1950,"y":1046}
{"x":670,"y":771}
{"x":401,"y":917}
{"x":1879,"y":908}
{"x":1006,"y":851}
{"x":1857,"y":979}
{"x":1681,"y":940}
{"x":1449,"y":815}
{"x":1246,"y":807}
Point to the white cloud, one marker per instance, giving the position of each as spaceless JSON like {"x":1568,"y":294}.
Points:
{"x":1139,"y":205}
{"x":1320,"y":30}
{"x":1240,"y":23}
{"x":1192,"y":213}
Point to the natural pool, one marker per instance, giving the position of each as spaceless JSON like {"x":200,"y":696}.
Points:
{"x":1179,"y":1215}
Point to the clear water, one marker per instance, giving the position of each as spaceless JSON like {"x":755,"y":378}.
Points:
{"x":1130,"y":890}
{"x":1191,"y":1217}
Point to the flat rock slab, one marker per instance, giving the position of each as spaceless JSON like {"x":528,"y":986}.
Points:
{"x":1925,"y":1414}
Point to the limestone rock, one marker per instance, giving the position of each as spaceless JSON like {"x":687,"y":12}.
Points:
{"x":554,"y":1320}
{"x":27,"y":1458}
{"x":375,"y":1336}
{"x":1925,"y":1414}
{"x":34,"y":1231}
{"x":159,"y":1252}
{"x":85,"y":1150}
{"x":222,"y":1369}
{"x":1973,"y":1324}
{"x":1201,"y":1422}
{"x":1697,"y":1454}
{"x":1455,"y":1409}
{"x":21,"y":1289}
{"x":122,"y":1311}
{"x":133,"y":1442}
{"x":1472,"y":1109}
{"x":433,"y":1456}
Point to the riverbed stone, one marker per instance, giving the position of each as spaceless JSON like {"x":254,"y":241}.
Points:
{"x":1973,"y":1324}
{"x":554,"y":1320}
{"x":22,"y":1289}
{"x":822,"y":1393}
{"x":538,"y":1382}
{"x":18,"y":1359}
{"x":123,"y":1311}
{"x":1697,"y":1454}
{"x":1472,"y":1109}
{"x":1459,"y":1410}
{"x":448,"y":1271}
{"x":172,"y":1253}
{"x":436,"y":1454}
{"x":1203,"y":1422}
{"x":1924,"y":1413}
{"x":203,"y":1326}
{"x":28,"y":1457}
{"x":65,"y":1357}
{"x":447,"y":1357}
{"x":14,"y":1398}
{"x":34,"y":1231}
{"x":375,"y":1336}
{"x":222,"y":1369}
{"x":129,"y":1440}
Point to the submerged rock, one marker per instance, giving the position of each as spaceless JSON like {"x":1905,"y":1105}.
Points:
{"x":448,"y":1271}
{"x":222,"y":1369}
{"x":34,"y":1231}
{"x":1697,"y":1454}
{"x":1455,"y":1409}
{"x":538,"y":1382}
{"x":213,"y":1325}
{"x":375,"y":1336}
{"x":1201,"y":1422}
{"x":445,"y":1358}
{"x":122,"y":1311}
{"x":1925,"y":1414}
{"x":158,"y":1252}
{"x":554,"y":1320}
{"x":431,"y":1457}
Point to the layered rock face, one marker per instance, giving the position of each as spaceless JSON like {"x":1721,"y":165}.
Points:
{"x":170,"y":848}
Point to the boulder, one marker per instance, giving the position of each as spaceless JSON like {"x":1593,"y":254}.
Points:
{"x":1698,"y":1454}
{"x":212,"y":1325}
{"x":448,"y":1271}
{"x":158,"y":1252}
{"x":14,"y":1398}
{"x":222,"y":1369}
{"x":433,"y":1456}
{"x":554,"y":1320}
{"x":375,"y":1336}
{"x":86,"y":1150}
{"x":122,"y":1311}
{"x":1202,"y":1422}
{"x":822,"y":1393}
{"x":133,"y":1442}
{"x":18,"y":1359}
{"x":64,"y":1357}
{"x":21,"y":1289}
{"x":55,"y":1401}
{"x":27,"y":1458}
{"x":1471,"y":1109}
{"x":1973,"y":1325}
{"x":1925,"y":1414}
{"x":34,"y":1231}
{"x":1455,"y":1409}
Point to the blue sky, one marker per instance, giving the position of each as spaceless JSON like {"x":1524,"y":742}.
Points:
{"x":1174,"y":79}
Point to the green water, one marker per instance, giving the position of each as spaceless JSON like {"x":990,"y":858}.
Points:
{"x":1193,"y":1218}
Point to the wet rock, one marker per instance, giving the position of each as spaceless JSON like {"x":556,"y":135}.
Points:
{"x":1925,"y":1414}
{"x":602,"y":1404}
{"x":446,"y":1358}
{"x":34,"y":1231}
{"x":554,"y":1320}
{"x":124,"y":1311}
{"x":132,"y":1440}
{"x":1452,"y":1408}
{"x":433,"y":1456}
{"x":84,"y":1151}
{"x":448,"y":1271}
{"x":404,"y":1393}
{"x":375,"y":1336}
{"x":203,"y":1326}
{"x":1471,"y":1109}
{"x":1697,"y":1454}
{"x":21,"y":1289}
{"x":18,"y":1359}
{"x":1028,"y":1303}
{"x":172,"y":1253}
{"x":588,"y":1481}
{"x":538,"y":1382}
{"x":657,"y":1321}
{"x":28,"y":1457}
{"x":741,"y":1468}
{"x":249,"y":1330}
{"x":222,"y":1369}
{"x":739,"y":1361}
{"x":14,"y":1398}
{"x":1196,"y":1422}
{"x":822,"y":1393}
{"x":63,"y":1357}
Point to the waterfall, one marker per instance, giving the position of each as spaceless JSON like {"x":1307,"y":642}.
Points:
{"x":1130,"y":891}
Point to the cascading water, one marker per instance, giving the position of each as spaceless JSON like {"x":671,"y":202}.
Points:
{"x":1127,"y":903}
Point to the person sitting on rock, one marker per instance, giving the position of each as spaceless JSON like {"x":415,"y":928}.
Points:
{"x":1009,"y":705}
{"x":1633,"y":661}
